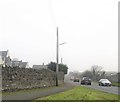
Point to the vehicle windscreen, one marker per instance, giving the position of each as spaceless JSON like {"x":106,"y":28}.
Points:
{"x":104,"y":80}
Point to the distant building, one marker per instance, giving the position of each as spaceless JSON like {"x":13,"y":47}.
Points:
{"x":16,"y":63}
{"x":6,"y":60}
{"x":24,"y":65}
{"x":39,"y":67}
{"x":20,"y":64}
{"x":1,"y":60}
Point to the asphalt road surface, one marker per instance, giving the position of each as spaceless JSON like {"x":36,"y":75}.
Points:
{"x":112,"y":89}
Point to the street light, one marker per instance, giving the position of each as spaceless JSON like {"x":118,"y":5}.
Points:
{"x":57,"y":57}
{"x":62,"y":44}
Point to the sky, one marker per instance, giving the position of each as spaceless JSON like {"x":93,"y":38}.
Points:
{"x":90,"y":28}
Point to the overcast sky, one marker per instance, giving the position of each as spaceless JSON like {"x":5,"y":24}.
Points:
{"x":90,"y":28}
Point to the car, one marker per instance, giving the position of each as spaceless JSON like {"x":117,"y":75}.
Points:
{"x":86,"y":81}
{"x":104,"y":82}
{"x":76,"y":80}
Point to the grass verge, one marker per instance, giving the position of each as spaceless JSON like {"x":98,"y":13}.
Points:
{"x":81,"y":93}
{"x":116,"y":84}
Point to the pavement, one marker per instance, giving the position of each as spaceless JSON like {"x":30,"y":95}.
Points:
{"x":31,"y":95}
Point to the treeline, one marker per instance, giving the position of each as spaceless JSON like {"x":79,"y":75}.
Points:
{"x":95,"y":73}
{"x":61,"y":67}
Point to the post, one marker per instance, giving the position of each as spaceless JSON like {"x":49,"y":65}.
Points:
{"x":57,"y":58}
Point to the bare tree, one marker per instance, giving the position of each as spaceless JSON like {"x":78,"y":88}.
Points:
{"x":96,"y":71}
{"x":87,"y":73}
{"x":103,"y":74}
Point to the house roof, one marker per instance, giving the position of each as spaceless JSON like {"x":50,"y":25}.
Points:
{"x":23,"y":64}
{"x":17,"y":61}
{"x":39,"y":66}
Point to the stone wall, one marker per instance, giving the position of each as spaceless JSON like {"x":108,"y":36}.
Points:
{"x":24,"y":78}
{"x":0,"y":83}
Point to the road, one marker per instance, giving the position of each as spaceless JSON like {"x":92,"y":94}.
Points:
{"x":112,"y":89}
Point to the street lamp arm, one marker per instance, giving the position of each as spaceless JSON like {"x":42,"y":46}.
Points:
{"x":63,"y":43}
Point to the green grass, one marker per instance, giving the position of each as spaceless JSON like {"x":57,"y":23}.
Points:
{"x":81,"y":93}
{"x":116,"y":84}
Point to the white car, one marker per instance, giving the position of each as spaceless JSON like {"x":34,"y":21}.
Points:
{"x":104,"y":82}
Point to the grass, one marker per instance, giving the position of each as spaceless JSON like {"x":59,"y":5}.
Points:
{"x":116,"y":84}
{"x":81,"y":93}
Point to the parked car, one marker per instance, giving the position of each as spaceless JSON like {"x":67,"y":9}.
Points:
{"x":104,"y":82}
{"x":86,"y":81}
{"x":76,"y":80}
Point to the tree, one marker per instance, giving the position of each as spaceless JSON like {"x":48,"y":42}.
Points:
{"x":96,"y":72}
{"x":52,"y":66}
{"x":62,"y":67}
{"x":87,"y":73}
{"x":103,"y":74}
{"x":96,"y":69}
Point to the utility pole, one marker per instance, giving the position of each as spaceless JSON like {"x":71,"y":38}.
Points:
{"x":57,"y":58}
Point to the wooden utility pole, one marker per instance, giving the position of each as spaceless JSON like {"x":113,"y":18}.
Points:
{"x":57,"y":58}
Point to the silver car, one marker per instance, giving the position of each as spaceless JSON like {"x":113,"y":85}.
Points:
{"x":104,"y":82}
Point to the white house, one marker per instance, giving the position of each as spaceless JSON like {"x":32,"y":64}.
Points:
{"x":1,"y":60}
{"x":16,"y":63}
{"x":20,"y":64}
{"x":6,"y":60}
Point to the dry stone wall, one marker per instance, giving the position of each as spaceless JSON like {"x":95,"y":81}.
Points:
{"x":24,"y":78}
